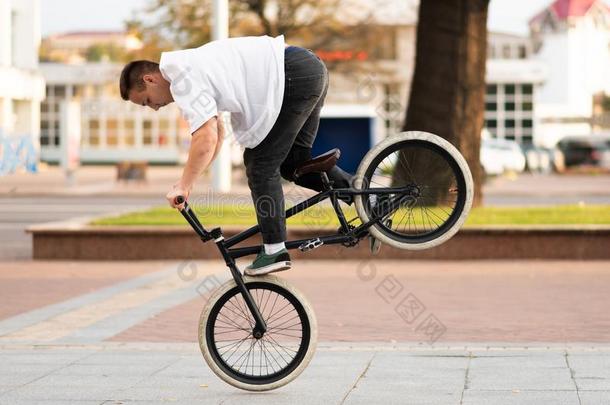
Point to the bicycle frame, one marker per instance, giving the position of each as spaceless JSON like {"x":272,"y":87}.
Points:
{"x":344,"y":235}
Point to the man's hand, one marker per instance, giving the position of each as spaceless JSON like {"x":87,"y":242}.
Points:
{"x":177,"y":190}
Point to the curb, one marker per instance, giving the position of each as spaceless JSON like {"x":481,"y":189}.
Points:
{"x":73,"y":240}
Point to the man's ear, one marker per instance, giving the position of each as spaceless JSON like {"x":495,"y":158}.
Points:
{"x":149,"y":78}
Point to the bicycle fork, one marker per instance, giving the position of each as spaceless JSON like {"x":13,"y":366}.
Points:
{"x":260,"y":327}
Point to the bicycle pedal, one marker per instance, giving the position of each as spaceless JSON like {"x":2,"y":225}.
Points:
{"x":311,"y":244}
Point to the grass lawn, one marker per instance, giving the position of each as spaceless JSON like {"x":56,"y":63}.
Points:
{"x":323,"y":216}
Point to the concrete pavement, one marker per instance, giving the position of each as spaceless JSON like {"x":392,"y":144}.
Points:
{"x":493,"y":332}
{"x":338,"y":374}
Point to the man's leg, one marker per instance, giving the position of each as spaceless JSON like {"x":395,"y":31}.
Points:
{"x":301,"y":152}
{"x":305,"y":83}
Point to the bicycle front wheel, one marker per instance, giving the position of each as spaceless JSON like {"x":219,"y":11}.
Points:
{"x":440,"y":190}
{"x":258,"y":364}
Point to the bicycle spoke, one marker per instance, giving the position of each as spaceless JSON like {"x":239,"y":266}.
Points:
{"x":240,"y":351}
{"x":419,"y":164}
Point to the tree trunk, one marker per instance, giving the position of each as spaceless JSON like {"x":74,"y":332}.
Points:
{"x":448,"y":87}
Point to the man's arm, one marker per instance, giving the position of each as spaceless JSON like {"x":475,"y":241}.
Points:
{"x":221,"y":135}
{"x":201,"y":153}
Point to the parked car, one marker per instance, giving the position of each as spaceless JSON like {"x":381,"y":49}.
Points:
{"x":538,"y":159}
{"x":593,"y":150}
{"x":499,"y":156}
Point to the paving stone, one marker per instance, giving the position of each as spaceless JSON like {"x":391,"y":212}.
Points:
{"x":149,"y":374}
{"x":593,"y":383}
{"x":521,"y":379}
{"x":479,"y":397}
{"x":594,"y":397}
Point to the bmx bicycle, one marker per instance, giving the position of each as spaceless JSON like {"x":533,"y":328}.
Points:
{"x":411,"y":191}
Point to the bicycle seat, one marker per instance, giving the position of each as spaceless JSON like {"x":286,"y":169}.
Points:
{"x":319,"y":164}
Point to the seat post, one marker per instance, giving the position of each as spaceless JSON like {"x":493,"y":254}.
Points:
{"x":326,"y":181}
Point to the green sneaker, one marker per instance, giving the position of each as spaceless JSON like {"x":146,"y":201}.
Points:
{"x":265,"y":264}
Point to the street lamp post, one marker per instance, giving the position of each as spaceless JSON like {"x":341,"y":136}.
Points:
{"x":221,"y":168}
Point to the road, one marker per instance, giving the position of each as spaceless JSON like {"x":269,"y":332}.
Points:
{"x":16,"y":214}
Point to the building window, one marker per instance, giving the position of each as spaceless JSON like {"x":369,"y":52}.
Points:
{"x":60,"y":92}
{"x":522,"y":52}
{"x":491,"y":54}
{"x":112,"y":133}
{"x":44,"y":133}
{"x":391,"y":109}
{"x":506,"y":53}
{"x":489,"y":106}
{"x":57,"y":134}
{"x":164,"y":130}
{"x":147,"y":138}
{"x":509,"y":110}
{"x":49,"y":116}
{"x":94,"y":132}
{"x":130,"y":136}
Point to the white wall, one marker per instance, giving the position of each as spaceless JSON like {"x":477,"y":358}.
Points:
{"x":27,"y":26}
{"x":5,"y":33}
{"x":21,"y":85}
{"x":554,"y":53}
{"x":578,"y":58}
{"x":595,"y":55}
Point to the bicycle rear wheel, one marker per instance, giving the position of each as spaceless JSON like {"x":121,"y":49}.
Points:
{"x":440,"y":196}
{"x":258,"y":364}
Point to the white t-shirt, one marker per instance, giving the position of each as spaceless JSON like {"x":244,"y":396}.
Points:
{"x":244,"y":76}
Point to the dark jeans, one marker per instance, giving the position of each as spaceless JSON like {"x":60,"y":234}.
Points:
{"x":289,"y":143}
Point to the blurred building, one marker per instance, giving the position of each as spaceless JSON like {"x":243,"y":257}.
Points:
{"x":540,"y":87}
{"x":572,"y":37}
{"x":513,"y":80}
{"x":112,"y":129}
{"x":82,"y":46}
{"x":382,"y":79}
{"x":21,"y":84}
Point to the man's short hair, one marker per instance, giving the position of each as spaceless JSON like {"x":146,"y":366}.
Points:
{"x":132,"y":76}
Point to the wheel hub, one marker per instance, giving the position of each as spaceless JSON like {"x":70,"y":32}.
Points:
{"x":415,"y":191}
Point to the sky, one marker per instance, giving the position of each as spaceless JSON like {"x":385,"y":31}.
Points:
{"x":71,"y":15}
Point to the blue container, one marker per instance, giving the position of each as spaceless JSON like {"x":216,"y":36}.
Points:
{"x":353,"y":135}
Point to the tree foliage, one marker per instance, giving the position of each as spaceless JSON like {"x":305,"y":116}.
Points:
{"x":180,"y":24}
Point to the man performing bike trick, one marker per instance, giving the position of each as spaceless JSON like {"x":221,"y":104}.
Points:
{"x":274,"y":93}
